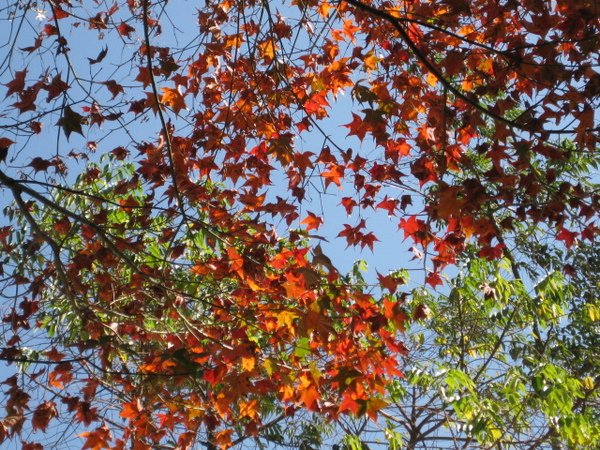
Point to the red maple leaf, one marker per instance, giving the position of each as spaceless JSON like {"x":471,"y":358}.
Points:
{"x":43,"y":414}
{"x":114,"y":87}
{"x":56,"y":87}
{"x":433,"y":279}
{"x":335,"y":174}
{"x":17,"y":84}
{"x":125,"y":29}
{"x":358,"y":127}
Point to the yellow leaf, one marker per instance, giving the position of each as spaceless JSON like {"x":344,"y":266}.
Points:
{"x":248,"y":363}
{"x":370,"y":61}
{"x":286,"y":319}
{"x":588,"y":383}
{"x":323,"y":9}
{"x":269,"y":366}
{"x":431,"y":79}
{"x":235,"y":40}
{"x":593,"y":313}
{"x":194,"y":412}
{"x":267,"y":49}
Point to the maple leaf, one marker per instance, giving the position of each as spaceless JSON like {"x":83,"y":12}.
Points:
{"x":35,"y":126}
{"x":5,"y":143}
{"x":350,"y":403}
{"x":37,"y":43}
{"x":349,"y":204}
{"x":413,"y":227}
{"x":405,"y":200}
{"x":248,"y":363}
{"x":316,"y":104}
{"x":70,"y":122}
{"x":368,"y":240}
{"x":486,"y":65}
{"x":131,"y":410}
{"x":374,"y":405}
{"x":56,"y":87}
{"x":424,"y":170}
{"x":43,"y":414}
{"x":40,"y":164}
{"x":295,"y":285}
{"x":98,"y":439}
{"x":349,"y":30}
{"x":100,"y":56}
{"x":5,"y":232}
{"x":27,"y":98}
{"x":250,"y":409}
{"x":60,"y":375}
{"x":144,"y":76}
{"x":114,"y":87}
{"x":389,"y":282}
{"x":30,"y":445}
{"x":17,"y":84}
{"x":268,"y":49}
{"x":125,"y":29}
{"x":433,"y":279}
{"x":421,"y":312}
{"x":491,"y":252}
{"x":214,"y":376}
{"x":370,"y":61}
{"x":309,"y":394}
{"x":173,"y":99}
{"x":223,"y":439}
{"x":389,"y":204}
{"x":335,"y":175}
{"x":394,"y":311}
{"x":431,"y":79}
{"x":62,"y":226}
{"x":50,"y":30}
{"x":312,"y":221}
{"x":285,"y":319}
{"x":449,"y":202}
{"x":568,"y":237}
{"x":358,"y":127}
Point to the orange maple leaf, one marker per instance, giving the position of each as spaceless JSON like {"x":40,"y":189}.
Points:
{"x":335,"y":174}
{"x":223,"y":438}
{"x":173,"y":99}
{"x":249,"y":409}
{"x":131,"y":410}
{"x":312,"y":221}
{"x":295,"y":286}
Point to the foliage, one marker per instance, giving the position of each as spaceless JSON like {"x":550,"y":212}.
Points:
{"x":490,"y":366}
{"x":168,"y":164}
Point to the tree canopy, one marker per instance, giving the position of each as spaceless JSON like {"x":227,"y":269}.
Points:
{"x":174,"y":176}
